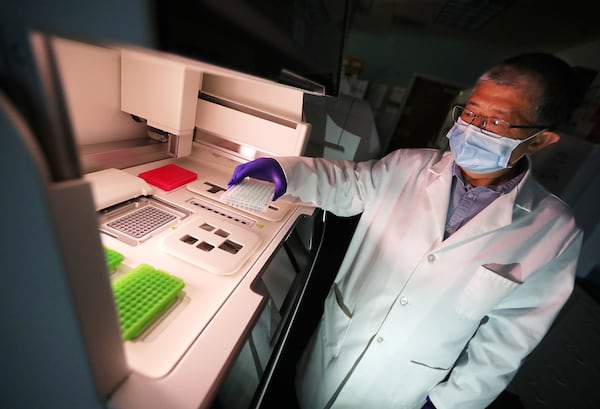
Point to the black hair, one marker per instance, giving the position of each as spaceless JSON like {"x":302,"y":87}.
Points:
{"x":552,"y":82}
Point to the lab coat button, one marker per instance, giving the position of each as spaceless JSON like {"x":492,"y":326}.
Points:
{"x":431,"y":258}
{"x":403,"y":301}
{"x":379,"y":339}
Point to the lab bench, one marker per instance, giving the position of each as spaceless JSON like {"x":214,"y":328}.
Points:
{"x":199,"y":336}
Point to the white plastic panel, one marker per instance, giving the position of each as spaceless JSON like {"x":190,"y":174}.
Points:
{"x":283,"y":138}
{"x":211,"y":243}
{"x":113,"y":186}
{"x":262,"y":95}
{"x":160,"y":90}
{"x":91,"y":81}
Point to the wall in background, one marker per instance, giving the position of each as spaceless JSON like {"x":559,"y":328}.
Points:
{"x":392,"y":58}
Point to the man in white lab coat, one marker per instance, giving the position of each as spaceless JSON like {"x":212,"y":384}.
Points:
{"x":460,"y":260}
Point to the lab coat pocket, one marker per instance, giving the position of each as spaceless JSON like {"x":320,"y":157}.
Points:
{"x":434,"y":366}
{"x":336,"y":319}
{"x":427,"y":371}
{"x":488,"y":286}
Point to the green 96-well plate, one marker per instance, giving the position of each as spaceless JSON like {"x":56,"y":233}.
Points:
{"x":141,"y":296}
{"x":113,"y":259}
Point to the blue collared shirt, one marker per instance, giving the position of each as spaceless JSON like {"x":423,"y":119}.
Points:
{"x":467,"y":201}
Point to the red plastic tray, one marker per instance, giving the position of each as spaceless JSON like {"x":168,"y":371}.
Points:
{"x":168,"y":177}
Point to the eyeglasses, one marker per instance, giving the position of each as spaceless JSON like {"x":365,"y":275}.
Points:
{"x":491,"y":126}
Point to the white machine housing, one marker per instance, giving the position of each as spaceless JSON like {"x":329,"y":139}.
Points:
{"x":134,"y":110}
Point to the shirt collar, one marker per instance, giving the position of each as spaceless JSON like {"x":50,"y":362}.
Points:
{"x":522,"y":166}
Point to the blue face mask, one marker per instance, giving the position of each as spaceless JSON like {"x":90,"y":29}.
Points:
{"x":481,"y":152}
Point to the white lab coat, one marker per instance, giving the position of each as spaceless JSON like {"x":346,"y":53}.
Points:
{"x":407,"y":308}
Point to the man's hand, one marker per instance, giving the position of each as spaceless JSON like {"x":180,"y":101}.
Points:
{"x":264,"y":169}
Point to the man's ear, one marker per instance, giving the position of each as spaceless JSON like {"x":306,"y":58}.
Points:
{"x":544,"y":139}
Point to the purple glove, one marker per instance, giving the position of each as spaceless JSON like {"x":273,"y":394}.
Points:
{"x":264,"y":169}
